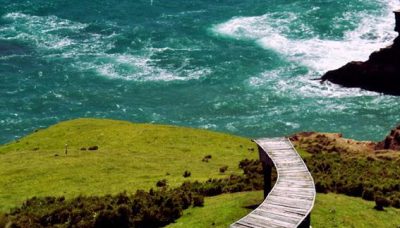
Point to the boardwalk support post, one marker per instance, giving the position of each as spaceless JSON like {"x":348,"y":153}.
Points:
{"x":267,"y":170}
{"x":306,"y":222}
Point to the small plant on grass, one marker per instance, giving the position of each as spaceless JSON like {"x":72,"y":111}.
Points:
{"x":162,"y":183}
{"x":93,"y":148}
{"x":186,"y":174}
{"x":223,"y":169}
{"x":206,"y":158}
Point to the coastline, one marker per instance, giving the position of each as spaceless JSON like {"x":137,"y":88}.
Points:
{"x":380,"y":73}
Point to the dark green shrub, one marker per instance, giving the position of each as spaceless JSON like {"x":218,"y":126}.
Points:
{"x":162,"y":183}
{"x":186,"y":174}
{"x":321,"y":187}
{"x":223,"y":169}
{"x":155,"y":208}
{"x":396,"y":202}
{"x":354,"y":189}
{"x":381,"y":202}
{"x":93,"y":148}
{"x":114,"y":218}
{"x":211,"y":188}
{"x":354,"y":176}
{"x":206,"y":158}
{"x":3,"y":220}
{"x":198,"y":201}
{"x":368,"y":194}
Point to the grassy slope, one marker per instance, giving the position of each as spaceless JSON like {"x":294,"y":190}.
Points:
{"x":330,"y":210}
{"x":135,"y":156}
{"x":130,"y":156}
{"x":219,"y":211}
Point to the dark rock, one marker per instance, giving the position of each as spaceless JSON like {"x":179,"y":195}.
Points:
{"x":93,"y":148}
{"x":381,"y":73}
{"x":83,"y":148}
{"x":391,"y":142}
{"x":397,"y":15}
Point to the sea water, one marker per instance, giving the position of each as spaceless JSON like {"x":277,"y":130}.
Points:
{"x":245,"y":67}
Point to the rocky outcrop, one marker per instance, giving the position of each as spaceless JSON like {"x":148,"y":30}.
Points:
{"x":391,"y":142}
{"x":381,"y":73}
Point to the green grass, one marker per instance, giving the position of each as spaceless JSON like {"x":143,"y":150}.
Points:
{"x":303,"y":153}
{"x":130,"y":157}
{"x":219,"y":211}
{"x":331,"y":210}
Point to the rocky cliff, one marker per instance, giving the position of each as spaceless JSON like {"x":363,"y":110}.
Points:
{"x":381,"y":73}
{"x":391,"y":142}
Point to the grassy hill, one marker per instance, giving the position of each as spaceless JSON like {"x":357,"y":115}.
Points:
{"x":135,"y":156}
{"x":129,"y":157}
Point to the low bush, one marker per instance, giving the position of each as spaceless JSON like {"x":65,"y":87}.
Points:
{"x":355,"y":176}
{"x":223,"y":169}
{"x":161,"y":183}
{"x":368,"y":194}
{"x":3,"y":220}
{"x":155,"y":208}
{"x":206,"y":158}
{"x":186,"y":174}
{"x":198,"y":201}
{"x":381,"y":202}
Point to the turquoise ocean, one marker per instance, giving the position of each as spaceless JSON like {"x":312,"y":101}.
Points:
{"x":239,"y":66}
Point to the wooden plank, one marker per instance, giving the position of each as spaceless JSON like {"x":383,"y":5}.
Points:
{"x":285,"y":209}
{"x":277,"y":216}
{"x":276,"y":212}
{"x":238,"y":225}
{"x":260,"y":222}
{"x":293,"y":195}
{"x":271,"y":221}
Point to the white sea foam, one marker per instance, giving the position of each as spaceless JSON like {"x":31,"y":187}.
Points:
{"x":280,"y":83}
{"x":42,"y":31}
{"x":139,"y":68}
{"x":89,"y":51}
{"x":272,"y":32}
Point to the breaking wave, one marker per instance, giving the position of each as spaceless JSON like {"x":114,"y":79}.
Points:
{"x":272,"y":31}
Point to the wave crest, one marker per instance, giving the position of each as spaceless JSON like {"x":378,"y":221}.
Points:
{"x":273,"y":31}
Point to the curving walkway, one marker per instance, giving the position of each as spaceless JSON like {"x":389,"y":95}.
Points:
{"x":291,"y":200}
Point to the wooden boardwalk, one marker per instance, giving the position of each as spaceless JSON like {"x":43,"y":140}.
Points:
{"x":290,"y":201}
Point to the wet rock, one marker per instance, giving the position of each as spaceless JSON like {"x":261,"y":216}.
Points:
{"x":381,"y":73}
